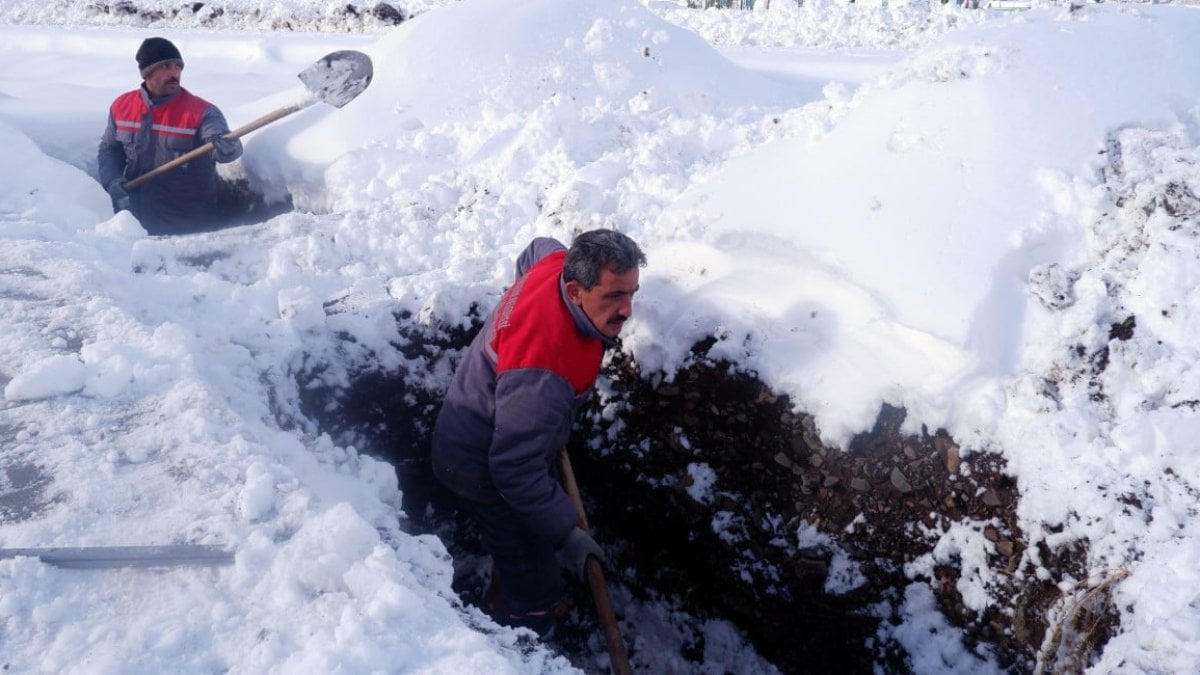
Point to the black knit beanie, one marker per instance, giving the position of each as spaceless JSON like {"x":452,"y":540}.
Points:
{"x":154,"y":51}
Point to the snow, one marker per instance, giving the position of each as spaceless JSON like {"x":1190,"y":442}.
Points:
{"x":703,"y":479}
{"x":923,"y":624}
{"x":52,"y":376}
{"x":845,"y":574}
{"x":926,"y":206}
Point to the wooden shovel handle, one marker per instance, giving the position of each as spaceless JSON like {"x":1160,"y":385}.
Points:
{"x":595,"y":577}
{"x":207,"y":147}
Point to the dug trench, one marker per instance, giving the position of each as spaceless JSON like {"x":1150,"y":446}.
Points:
{"x":731,"y":551}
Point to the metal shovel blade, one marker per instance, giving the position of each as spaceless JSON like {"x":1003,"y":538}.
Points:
{"x":109,"y":557}
{"x":338,"y":77}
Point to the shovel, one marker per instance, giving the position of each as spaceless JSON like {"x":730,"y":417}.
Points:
{"x":335,"y":78}
{"x":111,"y":557}
{"x":617,"y":656}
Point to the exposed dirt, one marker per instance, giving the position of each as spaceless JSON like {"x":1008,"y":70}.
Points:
{"x":774,"y":475}
{"x":883,"y":501}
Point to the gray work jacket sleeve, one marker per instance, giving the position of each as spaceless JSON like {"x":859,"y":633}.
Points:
{"x":212,"y":124}
{"x":110,"y":156}
{"x":533,"y":420}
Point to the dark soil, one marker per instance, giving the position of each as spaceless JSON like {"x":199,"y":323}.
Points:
{"x":773,"y":476}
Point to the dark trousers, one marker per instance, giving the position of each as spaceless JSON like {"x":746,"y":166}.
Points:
{"x":524,"y":563}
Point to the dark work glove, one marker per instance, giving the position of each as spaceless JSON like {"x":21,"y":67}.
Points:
{"x":576,"y":549}
{"x":120,"y":198}
{"x":225,"y":149}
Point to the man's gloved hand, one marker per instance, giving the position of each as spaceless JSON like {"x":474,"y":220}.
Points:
{"x":120,"y":198}
{"x":575,"y":550}
{"x":225,"y":149}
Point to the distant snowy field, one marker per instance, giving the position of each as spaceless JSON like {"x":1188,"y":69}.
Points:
{"x":947,"y":210}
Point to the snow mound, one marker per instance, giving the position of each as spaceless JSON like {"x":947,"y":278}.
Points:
{"x":940,"y":229}
{"x":27,"y":201}
{"x":466,"y":85}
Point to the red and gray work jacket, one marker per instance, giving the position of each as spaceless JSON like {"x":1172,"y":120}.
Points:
{"x":513,"y":398}
{"x":144,"y":133}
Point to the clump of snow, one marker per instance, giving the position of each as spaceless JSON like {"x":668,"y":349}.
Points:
{"x":648,"y":624}
{"x":844,"y":574}
{"x":729,"y":526}
{"x":965,"y":548}
{"x":703,"y":478}
{"x":52,"y":376}
{"x":933,"y":644}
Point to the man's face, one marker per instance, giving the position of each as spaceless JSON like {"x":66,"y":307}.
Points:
{"x":164,"y":79}
{"x":610,"y":302}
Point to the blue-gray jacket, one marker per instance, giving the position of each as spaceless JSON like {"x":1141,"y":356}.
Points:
{"x":144,"y":133}
{"x":513,"y":399}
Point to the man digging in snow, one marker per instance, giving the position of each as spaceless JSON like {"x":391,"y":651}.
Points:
{"x":510,"y":408}
{"x":154,"y":124}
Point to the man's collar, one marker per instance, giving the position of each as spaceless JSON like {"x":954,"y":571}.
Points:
{"x":155,"y":102}
{"x":582,"y":322}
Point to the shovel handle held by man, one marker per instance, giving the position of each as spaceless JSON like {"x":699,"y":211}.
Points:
{"x":207,"y":147}
{"x":595,"y":577}
{"x":336,"y":78}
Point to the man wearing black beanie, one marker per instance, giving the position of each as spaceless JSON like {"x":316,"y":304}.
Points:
{"x":154,"y":124}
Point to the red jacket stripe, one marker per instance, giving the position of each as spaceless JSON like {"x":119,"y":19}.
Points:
{"x":178,"y":118}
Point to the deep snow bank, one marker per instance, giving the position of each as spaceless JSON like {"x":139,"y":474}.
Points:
{"x":145,"y":383}
{"x":465,"y":87}
{"x":933,"y":196}
{"x":40,"y":191}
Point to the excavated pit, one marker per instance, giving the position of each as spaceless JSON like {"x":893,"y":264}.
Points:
{"x":238,"y":204}
{"x":731,"y":552}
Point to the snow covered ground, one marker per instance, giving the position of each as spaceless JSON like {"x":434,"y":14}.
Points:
{"x":988,"y":218}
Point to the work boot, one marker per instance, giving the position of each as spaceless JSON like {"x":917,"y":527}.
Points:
{"x":493,"y":597}
{"x":540,"y":621}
